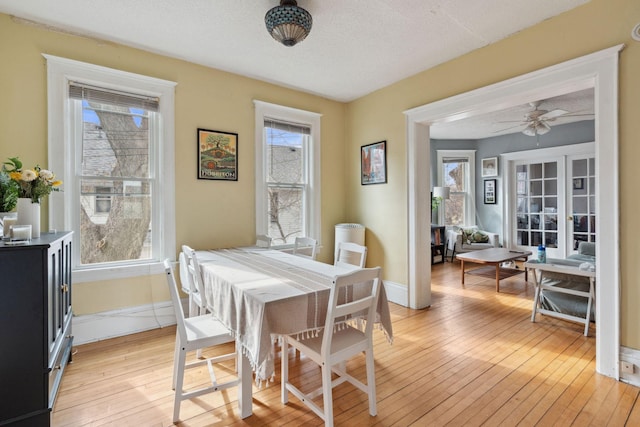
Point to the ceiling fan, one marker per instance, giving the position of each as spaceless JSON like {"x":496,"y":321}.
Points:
{"x":536,"y":121}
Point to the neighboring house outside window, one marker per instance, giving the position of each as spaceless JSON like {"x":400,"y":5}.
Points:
{"x":113,"y":137}
{"x":456,"y":170}
{"x":287,"y":173}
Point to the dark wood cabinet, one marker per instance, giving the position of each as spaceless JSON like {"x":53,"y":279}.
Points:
{"x":35,"y":322}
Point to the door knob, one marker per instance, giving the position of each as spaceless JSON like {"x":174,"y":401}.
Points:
{"x":569,"y":218}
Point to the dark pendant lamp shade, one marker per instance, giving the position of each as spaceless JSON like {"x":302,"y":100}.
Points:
{"x":288,"y":23}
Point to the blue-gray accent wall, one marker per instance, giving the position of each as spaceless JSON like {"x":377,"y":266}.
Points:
{"x":489,"y":217}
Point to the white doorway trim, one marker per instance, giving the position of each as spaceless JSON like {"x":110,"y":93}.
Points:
{"x":598,"y":70}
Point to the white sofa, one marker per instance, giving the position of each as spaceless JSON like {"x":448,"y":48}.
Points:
{"x":467,"y":239}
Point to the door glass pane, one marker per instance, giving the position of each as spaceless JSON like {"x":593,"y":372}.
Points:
{"x":582,"y":189}
{"x":541,"y":181}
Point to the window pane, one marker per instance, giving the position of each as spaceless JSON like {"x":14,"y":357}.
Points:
{"x":454,"y":209}
{"x":286,"y":178}
{"x":455,"y":174}
{"x":285,"y":156}
{"x":115,"y":190}
{"x":285,"y":214}
{"x":115,"y":141}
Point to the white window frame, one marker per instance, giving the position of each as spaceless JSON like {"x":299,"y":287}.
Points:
{"x":62,"y":159}
{"x":312,"y":211}
{"x":470,"y":202}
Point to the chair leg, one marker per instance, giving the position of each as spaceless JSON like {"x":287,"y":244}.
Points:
{"x":284,"y":363}
{"x":176,"y":355}
{"x":371,"y":382}
{"x":327,"y":395}
{"x":180,"y":362}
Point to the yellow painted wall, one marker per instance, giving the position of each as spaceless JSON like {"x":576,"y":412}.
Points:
{"x":597,"y":25}
{"x":217,"y":100}
{"x":208,"y":214}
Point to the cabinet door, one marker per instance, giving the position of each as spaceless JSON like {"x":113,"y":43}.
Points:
{"x":54,"y":281}
{"x":59,"y":290}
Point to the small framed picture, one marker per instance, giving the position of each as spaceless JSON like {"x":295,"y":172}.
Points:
{"x":373,"y":163}
{"x":217,"y":155}
{"x":490,"y":166}
{"x":578,"y":183}
{"x":489,"y":191}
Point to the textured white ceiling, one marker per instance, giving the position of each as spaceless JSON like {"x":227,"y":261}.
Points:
{"x":355,"y":46}
{"x":579,"y":107}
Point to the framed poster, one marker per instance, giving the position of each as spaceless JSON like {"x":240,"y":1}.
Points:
{"x":490,"y":166}
{"x":373,"y":163}
{"x":217,"y":155}
{"x":489,"y":191}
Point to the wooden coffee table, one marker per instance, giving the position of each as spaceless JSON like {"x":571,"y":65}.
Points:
{"x":494,"y":257}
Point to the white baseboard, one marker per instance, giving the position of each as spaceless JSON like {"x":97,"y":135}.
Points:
{"x":111,"y":324}
{"x":396,"y":293}
{"x":632,"y":356}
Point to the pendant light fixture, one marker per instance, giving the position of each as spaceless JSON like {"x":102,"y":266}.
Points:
{"x":288,"y":23}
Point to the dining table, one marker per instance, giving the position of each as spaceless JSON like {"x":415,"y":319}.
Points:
{"x":260,"y":294}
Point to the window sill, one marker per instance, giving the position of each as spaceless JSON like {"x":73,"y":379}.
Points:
{"x":117,"y":272}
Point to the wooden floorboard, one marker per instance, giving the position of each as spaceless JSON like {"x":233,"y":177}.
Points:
{"x":471,"y":359}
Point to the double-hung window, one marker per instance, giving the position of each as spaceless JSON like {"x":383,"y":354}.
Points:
{"x":112,"y":135}
{"x":287,"y":173}
{"x":456,"y":170}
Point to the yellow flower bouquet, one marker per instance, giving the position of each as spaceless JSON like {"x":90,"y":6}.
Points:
{"x":33,"y":183}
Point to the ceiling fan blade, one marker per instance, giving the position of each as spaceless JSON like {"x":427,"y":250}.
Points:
{"x":509,"y":128}
{"x":553,"y":114}
{"x":579,"y":115}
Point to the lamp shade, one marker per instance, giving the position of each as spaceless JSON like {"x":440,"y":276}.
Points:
{"x":288,"y":23}
{"x":442,"y":192}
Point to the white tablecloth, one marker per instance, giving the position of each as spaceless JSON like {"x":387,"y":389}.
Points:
{"x":260,"y":292}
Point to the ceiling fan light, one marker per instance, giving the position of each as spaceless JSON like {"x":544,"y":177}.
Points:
{"x":288,"y":23}
{"x":530,"y":130}
{"x":542,"y":128}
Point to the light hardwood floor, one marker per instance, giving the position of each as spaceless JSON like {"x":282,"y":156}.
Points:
{"x":472,"y":358}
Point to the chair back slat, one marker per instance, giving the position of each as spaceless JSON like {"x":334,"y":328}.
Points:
{"x":263,"y":241}
{"x":194,"y":271}
{"x":350,"y":253}
{"x":175,"y":300}
{"x":364,"y":287}
{"x":306,"y":247}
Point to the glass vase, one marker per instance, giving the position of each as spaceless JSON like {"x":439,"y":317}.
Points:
{"x":29,"y":213}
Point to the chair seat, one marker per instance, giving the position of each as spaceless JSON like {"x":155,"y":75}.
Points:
{"x":207,"y":331}
{"x":344,"y":339}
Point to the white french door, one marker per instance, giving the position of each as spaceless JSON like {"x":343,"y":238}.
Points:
{"x":550,"y":199}
{"x":539,"y":186}
{"x":581,"y":201}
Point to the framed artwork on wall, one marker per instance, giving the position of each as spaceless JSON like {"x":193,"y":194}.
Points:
{"x":373,"y":163}
{"x":489,"y":191}
{"x":490,"y":167}
{"x":217,"y":155}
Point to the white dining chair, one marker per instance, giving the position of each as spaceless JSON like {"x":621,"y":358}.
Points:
{"x":338,"y":342}
{"x":195,"y":333}
{"x":305,"y":247}
{"x":351,"y":254}
{"x":263,"y":241}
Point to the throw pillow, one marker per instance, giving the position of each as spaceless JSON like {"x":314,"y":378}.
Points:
{"x":467,"y":234}
{"x":479,"y":237}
